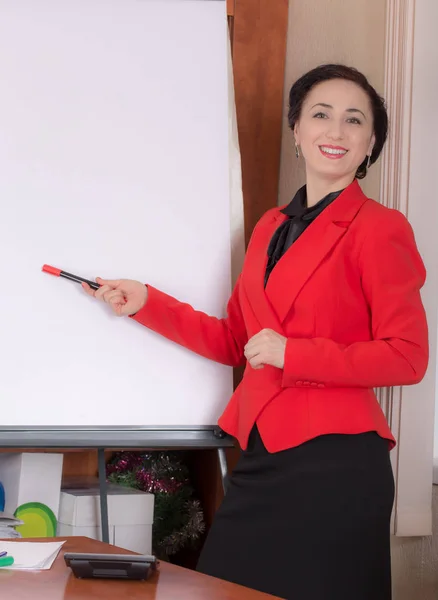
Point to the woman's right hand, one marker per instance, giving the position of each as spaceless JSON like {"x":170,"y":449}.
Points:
{"x":125,"y":296}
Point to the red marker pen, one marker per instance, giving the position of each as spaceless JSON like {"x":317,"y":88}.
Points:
{"x":76,"y":278}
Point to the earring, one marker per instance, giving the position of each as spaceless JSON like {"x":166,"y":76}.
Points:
{"x":368,"y":161}
{"x":297,"y":150}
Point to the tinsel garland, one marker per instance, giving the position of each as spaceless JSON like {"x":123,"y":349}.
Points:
{"x":178,"y":517}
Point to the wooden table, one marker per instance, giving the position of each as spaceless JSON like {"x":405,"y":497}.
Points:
{"x":170,"y":583}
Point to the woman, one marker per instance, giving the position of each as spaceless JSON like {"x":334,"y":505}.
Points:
{"x":327,"y":308}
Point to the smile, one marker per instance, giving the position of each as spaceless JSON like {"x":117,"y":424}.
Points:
{"x":331,"y":152}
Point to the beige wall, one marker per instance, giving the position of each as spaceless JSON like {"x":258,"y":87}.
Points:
{"x":323,"y":31}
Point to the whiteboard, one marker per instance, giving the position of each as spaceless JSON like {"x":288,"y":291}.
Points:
{"x":113,"y":163}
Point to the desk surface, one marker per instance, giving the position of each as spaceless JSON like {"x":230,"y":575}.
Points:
{"x":170,"y":583}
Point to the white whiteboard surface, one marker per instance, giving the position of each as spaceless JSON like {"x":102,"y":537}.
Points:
{"x":113,"y":163}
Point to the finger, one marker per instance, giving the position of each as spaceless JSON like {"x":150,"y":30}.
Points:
{"x":118,"y":306}
{"x":100,"y":293}
{"x":257,"y":362}
{"x":88,"y":289}
{"x":261,"y":335}
{"x":111,"y":282}
{"x":253,"y":340}
{"x":250,"y":353}
{"x":252,"y":345}
{"x":114,"y":296}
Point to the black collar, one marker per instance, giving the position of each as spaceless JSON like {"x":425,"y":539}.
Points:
{"x":298,"y":206}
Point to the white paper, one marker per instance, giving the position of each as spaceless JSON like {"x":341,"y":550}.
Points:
{"x":31,"y":556}
{"x":9,"y":533}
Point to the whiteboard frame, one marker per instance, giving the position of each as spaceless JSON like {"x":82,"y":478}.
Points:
{"x":114,"y":437}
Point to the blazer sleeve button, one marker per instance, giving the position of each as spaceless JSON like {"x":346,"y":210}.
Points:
{"x":313,"y":384}
{"x":321,"y":385}
{"x":306,"y":383}
{"x":299,"y":383}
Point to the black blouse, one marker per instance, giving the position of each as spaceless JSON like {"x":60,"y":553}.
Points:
{"x":300,"y":217}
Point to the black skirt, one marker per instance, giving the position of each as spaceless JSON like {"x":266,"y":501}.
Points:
{"x":308,"y":523}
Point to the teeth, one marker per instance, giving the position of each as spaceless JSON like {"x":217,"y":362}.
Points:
{"x":333,"y":150}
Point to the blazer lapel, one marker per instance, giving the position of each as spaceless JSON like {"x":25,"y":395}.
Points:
{"x":299,"y":263}
{"x":254,"y":273}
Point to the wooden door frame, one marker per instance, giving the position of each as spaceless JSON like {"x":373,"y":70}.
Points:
{"x":258,"y":31}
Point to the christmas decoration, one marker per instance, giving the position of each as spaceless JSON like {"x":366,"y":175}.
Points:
{"x":178,"y":519}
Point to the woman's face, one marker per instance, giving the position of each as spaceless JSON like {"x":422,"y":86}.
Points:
{"x":335,"y":129}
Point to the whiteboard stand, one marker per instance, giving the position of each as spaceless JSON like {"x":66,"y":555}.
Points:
{"x":89,"y":438}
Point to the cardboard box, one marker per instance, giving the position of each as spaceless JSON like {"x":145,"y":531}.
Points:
{"x":130,"y":515}
{"x":32,"y":484}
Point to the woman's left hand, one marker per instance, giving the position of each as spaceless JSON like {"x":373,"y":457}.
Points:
{"x":266,"y":348}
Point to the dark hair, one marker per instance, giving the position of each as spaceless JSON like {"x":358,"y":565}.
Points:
{"x":304,"y":84}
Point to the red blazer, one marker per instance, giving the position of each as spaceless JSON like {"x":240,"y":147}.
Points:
{"x":346,"y":295}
